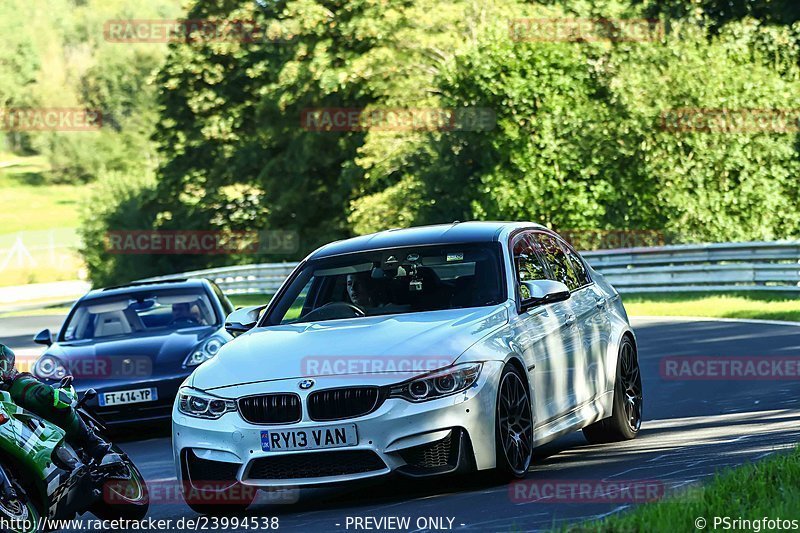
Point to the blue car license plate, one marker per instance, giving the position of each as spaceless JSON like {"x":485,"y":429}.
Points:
{"x":125,"y":397}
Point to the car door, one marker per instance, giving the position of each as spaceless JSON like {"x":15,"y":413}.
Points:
{"x":544,"y":336}
{"x":591,"y":305}
{"x":575,"y":385}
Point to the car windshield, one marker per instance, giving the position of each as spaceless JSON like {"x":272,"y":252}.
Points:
{"x":139,"y":312}
{"x":401,"y":280}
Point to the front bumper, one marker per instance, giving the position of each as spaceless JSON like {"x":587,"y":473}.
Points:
{"x":414,"y":439}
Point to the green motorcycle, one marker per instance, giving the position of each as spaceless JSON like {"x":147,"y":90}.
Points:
{"x":42,"y":478}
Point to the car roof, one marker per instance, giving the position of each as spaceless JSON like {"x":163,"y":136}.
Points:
{"x":148,"y":286}
{"x":455,"y":233}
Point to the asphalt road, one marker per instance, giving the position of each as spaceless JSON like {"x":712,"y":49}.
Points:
{"x":692,"y":428}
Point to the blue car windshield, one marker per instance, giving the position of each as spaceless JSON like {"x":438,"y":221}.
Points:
{"x":139,"y":312}
{"x":393,"y":281}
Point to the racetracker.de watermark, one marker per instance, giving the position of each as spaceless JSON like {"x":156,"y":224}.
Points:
{"x":199,"y":492}
{"x":398,"y":119}
{"x":724,"y":120}
{"x":50,"y":119}
{"x":182,"y":242}
{"x":95,"y":367}
{"x":733,"y":368}
{"x":333,"y":365}
{"x":575,"y":30}
{"x":192,"y":31}
{"x":586,"y":491}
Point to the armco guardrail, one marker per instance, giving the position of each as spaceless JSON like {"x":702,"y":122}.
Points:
{"x":264,"y":278}
{"x":772,"y":266}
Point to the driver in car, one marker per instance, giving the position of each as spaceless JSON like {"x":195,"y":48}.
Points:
{"x":184,"y":313}
{"x":52,"y":404}
{"x":371,"y":296}
{"x":359,"y":291}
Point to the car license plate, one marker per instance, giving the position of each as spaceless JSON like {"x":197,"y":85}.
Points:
{"x":128,"y":396}
{"x":279,"y":440}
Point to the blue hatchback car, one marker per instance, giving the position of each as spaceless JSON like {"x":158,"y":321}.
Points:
{"x":136,"y":344}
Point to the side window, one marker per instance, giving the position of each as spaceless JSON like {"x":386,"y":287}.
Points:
{"x":527,"y":263}
{"x":227,"y":306}
{"x":301,"y":304}
{"x":560,"y":268}
{"x":577,"y":265}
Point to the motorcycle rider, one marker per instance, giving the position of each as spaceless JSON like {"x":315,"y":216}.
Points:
{"x":52,"y":404}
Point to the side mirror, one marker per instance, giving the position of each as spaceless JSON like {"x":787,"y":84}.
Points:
{"x":542,"y":292}
{"x":243,"y":320}
{"x":90,"y":394}
{"x":44,"y":337}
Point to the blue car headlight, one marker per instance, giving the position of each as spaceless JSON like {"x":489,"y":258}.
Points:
{"x":199,"y":404}
{"x":205,"y":351}
{"x":438,"y":384}
{"x":49,"y":367}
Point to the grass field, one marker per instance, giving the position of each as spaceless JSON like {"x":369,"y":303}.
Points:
{"x":750,"y":304}
{"x":767,"y":488}
{"x":29,"y":204}
{"x":753,"y":305}
{"x":247,"y":300}
{"x":43,"y":217}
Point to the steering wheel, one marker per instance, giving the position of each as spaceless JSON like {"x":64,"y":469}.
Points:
{"x":185,"y":321}
{"x":333,"y":310}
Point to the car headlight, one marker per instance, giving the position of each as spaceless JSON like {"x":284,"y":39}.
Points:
{"x":438,"y":384}
{"x":205,"y":351}
{"x":200,"y":404}
{"x":48,"y":367}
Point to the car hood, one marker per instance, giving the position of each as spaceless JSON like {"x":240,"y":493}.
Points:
{"x":409,"y":343}
{"x":148,"y":354}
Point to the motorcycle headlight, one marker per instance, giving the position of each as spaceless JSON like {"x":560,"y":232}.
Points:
{"x":205,"y":351}
{"x":438,"y":384}
{"x":48,"y":367}
{"x":200,"y":404}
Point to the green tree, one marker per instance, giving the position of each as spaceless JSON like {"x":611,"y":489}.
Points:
{"x":580,"y":143}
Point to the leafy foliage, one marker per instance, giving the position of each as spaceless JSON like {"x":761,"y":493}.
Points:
{"x":578,"y":141}
{"x":53,"y":54}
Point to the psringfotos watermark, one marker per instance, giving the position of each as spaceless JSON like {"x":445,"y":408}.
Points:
{"x":550,"y":491}
{"x":50,"y":119}
{"x":725,"y":120}
{"x":590,"y":239}
{"x":192,"y":31}
{"x":730,"y":368}
{"x":192,"y":242}
{"x":330,"y":119}
{"x":729,"y":523}
{"x":575,"y":30}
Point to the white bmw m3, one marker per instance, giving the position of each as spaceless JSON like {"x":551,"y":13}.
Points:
{"x":421,"y":352}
